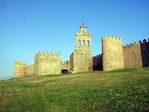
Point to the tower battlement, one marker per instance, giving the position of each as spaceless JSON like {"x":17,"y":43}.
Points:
{"x":114,"y":56}
{"x":47,"y":55}
{"x":21,"y":62}
{"x":112,"y":38}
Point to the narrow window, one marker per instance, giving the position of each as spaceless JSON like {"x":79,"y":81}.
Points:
{"x":88,"y":42}
{"x":79,"y":42}
{"x":83,"y":43}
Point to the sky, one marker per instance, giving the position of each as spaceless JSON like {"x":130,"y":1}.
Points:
{"x":29,"y":26}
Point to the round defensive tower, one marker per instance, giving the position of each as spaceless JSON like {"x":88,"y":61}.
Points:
{"x":112,"y":53}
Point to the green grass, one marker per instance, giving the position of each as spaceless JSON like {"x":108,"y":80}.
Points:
{"x":117,"y":91}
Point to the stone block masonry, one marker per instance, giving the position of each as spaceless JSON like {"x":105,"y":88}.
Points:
{"x":97,"y":62}
{"x":81,"y":58}
{"x":132,"y":56}
{"x":112,"y":53}
{"x":47,"y":63}
{"x":30,"y":70}
{"x":145,"y":52}
{"x":81,"y":61}
{"x":20,"y":69}
{"x":114,"y":56}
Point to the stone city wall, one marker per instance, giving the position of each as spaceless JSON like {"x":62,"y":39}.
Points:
{"x":65,"y":67}
{"x":145,"y":52}
{"x":112,"y":53}
{"x":132,"y":56}
{"x":30,"y":70}
{"x":20,"y":69}
{"x":47,"y":63}
{"x":97,"y":62}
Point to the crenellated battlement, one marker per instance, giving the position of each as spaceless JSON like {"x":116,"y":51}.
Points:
{"x":131,"y":45}
{"x":47,"y":55}
{"x":21,"y":62}
{"x":144,"y":41}
{"x":114,"y":56}
{"x":112,"y":38}
{"x":97,"y":56}
{"x":135,"y":44}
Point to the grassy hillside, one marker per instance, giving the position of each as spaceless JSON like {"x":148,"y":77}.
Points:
{"x":124,"y":90}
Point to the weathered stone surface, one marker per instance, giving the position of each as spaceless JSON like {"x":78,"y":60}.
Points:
{"x":47,"y":63}
{"x":30,"y":70}
{"x":114,"y":56}
{"x":112,"y":53}
{"x":81,"y":61}
{"x":65,"y":67}
{"x":132,"y":56}
{"x":81,"y":58}
{"x":97,"y":62}
{"x":20,"y":69}
{"x":145,"y":52}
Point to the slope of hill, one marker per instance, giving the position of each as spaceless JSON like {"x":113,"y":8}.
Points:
{"x":123,"y":90}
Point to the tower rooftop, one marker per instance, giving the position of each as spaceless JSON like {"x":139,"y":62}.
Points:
{"x":83,"y":26}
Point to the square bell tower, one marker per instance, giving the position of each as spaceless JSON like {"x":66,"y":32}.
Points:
{"x":83,"y":39}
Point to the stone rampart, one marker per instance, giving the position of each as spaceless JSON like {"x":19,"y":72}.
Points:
{"x":47,"y":63}
{"x":112,"y":53}
{"x":145,"y":52}
{"x":30,"y":70}
{"x":65,"y":67}
{"x":97,"y":62}
{"x":132,"y":55}
{"x":20,"y":69}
